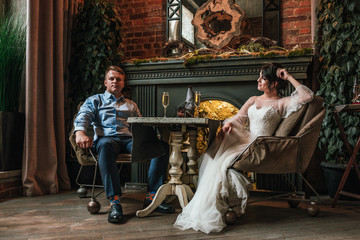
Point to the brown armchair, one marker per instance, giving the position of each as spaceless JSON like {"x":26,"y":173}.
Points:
{"x":290,"y":149}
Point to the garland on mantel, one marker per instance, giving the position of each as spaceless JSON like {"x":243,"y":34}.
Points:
{"x":205,"y":54}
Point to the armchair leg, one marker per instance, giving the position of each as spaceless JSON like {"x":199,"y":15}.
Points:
{"x":311,"y":187}
{"x":94,"y":179}
{"x":82,"y":191}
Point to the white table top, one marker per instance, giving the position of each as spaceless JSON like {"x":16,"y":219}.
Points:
{"x":170,"y":120}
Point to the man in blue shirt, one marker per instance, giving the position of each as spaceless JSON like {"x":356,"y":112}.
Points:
{"x":108,"y":113}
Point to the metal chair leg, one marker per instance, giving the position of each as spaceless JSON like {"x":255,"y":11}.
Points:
{"x":82,"y":191}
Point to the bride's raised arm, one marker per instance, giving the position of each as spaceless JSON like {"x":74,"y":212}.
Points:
{"x":299,"y":97}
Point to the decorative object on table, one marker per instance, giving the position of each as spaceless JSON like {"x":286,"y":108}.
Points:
{"x":189,"y":103}
{"x":217,"y":22}
{"x":165,"y":101}
{"x":356,"y":91}
{"x":197,"y":102}
{"x":187,"y":108}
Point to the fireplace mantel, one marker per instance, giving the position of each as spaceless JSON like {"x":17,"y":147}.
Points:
{"x":231,"y":79}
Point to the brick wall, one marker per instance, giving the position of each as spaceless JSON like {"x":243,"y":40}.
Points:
{"x":144,"y":25}
{"x":296,"y":23}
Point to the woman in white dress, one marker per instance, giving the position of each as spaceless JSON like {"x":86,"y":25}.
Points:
{"x":259,"y":116}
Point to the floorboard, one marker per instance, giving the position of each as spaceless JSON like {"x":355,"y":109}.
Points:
{"x":64,"y":216}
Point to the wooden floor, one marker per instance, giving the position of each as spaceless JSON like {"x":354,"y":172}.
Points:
{"x":64,"y":216}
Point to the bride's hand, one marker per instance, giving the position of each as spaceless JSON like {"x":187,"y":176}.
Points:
{"x":282,"y":73}
{"x":225,"y":129}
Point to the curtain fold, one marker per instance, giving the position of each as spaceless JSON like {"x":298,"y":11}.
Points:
{"x":48,"y":41}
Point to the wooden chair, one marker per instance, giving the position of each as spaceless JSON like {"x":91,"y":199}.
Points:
{"x":86,"y":157}
{"x":289,"y":150}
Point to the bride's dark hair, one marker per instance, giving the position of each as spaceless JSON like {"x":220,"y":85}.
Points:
{"x":269,"y":73}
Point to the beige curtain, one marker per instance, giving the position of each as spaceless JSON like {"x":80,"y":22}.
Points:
{"x":44,"y":167}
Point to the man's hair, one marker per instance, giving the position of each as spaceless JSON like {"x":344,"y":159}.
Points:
{"x":114,"y":68}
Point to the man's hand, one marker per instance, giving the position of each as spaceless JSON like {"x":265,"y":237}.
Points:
{"x":82,"y":140}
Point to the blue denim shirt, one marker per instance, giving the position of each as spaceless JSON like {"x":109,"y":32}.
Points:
{"x":107,"y":114}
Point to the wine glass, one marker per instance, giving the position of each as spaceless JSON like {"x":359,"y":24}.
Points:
{"x":197,"y":102}
{"x":165,"y":101}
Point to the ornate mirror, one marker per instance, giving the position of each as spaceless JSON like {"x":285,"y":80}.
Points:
{"x":261,"y":19}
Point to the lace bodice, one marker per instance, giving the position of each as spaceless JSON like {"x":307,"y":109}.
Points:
{"x":265,"y":115}
{"x":263,"y":121}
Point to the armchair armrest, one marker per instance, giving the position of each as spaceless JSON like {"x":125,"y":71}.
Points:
{"x":83,"y":157}
{"x":269,"y":155}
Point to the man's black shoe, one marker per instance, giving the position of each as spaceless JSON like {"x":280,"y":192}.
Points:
{"x":162,"y":208}
{"x":116,"y":214}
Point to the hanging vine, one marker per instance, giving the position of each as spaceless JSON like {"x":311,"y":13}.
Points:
{"x":338,"y":42}
{"x":96,"y":44}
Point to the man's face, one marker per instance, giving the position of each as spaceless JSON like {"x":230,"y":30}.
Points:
{"x":114,"y":82}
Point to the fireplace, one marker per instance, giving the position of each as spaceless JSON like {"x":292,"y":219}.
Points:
{"x":232,"y":80}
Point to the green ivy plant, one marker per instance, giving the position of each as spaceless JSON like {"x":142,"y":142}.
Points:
{"x":338,"y":42}
{"x":95,"y":44}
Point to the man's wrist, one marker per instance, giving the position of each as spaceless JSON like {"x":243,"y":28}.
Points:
{"x":79,"y":133}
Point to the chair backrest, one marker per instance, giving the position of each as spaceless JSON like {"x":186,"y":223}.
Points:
{"x":308,"y":137}
{"x":291,"y":125}
{"x":313,"y":109}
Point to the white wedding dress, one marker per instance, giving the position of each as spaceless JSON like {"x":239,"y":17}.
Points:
{"x":217,"y":183}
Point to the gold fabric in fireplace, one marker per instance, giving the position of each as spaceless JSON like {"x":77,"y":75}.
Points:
{"x":213,"y":109}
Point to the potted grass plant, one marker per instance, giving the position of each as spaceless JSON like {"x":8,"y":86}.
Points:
{"x":12,"y":65}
